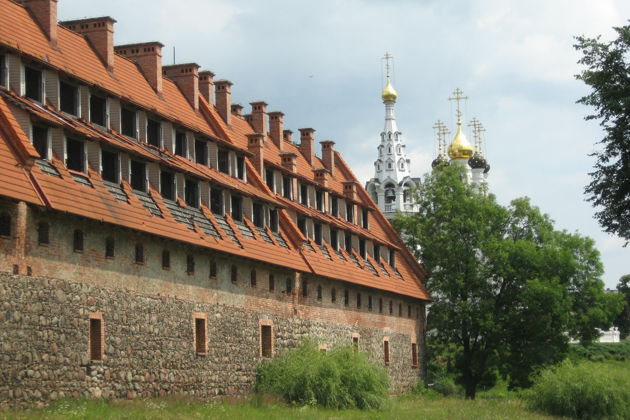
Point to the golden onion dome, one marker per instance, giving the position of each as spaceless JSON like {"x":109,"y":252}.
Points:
{"x":460,"y":147}
{"x":389,"y":93}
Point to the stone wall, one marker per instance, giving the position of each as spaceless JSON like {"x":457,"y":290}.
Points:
{"x":148,"y":317}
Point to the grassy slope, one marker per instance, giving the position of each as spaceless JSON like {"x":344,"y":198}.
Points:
{"x":413,"y":407}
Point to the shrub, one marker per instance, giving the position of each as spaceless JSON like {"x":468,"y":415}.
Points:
{"x":585,"y":390}
{"x":339,"y":378}
{"x":601,"y":351}
{"x":446,"y":386}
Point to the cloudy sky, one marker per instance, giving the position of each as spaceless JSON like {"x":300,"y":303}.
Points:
{"x":320,"y":63}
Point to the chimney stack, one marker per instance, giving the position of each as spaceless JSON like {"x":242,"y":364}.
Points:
{"x":186,"y":77}
{"x":148,"y":56}
{"x":321,"y":176}
{"x":328,"y":155}
{"x":255,"y":144}
{"x":307,"y":143}
{"x":206,"y":85}
{"x":259,"y":116}
{"x":45,"y":14}
{"x":237,"y":110}
{"x":289,"y":161}
{"x":99,"y":33}
{"x":222,"y":90}
{"x":350,"y":189}
{"x":287,"y":136}
{"x":276,"y":128}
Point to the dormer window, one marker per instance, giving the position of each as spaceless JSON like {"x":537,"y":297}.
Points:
{"x":237,"y":208}
{"x":334,"y":206}
{"x":350,"y":212}
{"x":240,"y":167}
{"x":128,"y":122}
{"x":98,"y":110}
{"x":191,"y":193}
{"x":366,"y":218}
{"x":362,"y":248}
{"x":392,"y":258}
{"x":180,"y":144}
{"x":201,"y":152}
{"x":334,"y":239}
{"x":68,"y":97}
{"x":269,"y":179}
{"x":75,"y":155}
{"x":33,"y":83}
{"x":273,"y":220}
{"x":223,"y":161}
{"x":304,"y":194}
{"x":377,"y":253}
{"x":319,"y":200}
{"x":154,"y":133}
{"x":138,"y":178}
{"x":287,"y":187}
{"x":301,"y":222}
{"x":257,"y":210}
{"x":3,"y":70}
{"x":40,"y":140}
{"x":109,"y":166}
{"x":167,"y":185}
{"x":348,"y":244}
{"x":318,"y":233}
{"x":216,"y":201}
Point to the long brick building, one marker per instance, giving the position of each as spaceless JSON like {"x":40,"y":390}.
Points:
{"x":156,"y":240}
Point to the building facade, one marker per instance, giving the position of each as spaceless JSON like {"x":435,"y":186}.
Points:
{"x":155,"y":240}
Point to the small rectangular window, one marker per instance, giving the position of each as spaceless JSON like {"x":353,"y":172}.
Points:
{"x":213,"y":269}
{"x":180,"y":144}
{"x":109,"y":247}
{"x":201,"y":152}
{"x":98,"y":110}
{"x":362,"y":248}
{"x":191,"y":193}
{"x":139,"y":254}
{"x":166,"y":259}
{"x":200,"y":335}
{"x":400,"y":309}
{"x":68,"y":95}
{"x":138,"y":176}
{"x":109,"y":166}
{"x":319,"y":292}
{"x":333,"y":295}
{"x":380,"y":305}
{"x":96,"y":339}
{"x":234,"y":274}
{"x":128,"y":122}
{"x":391,"y":307}
{"x":154,"y":133}
{"x":43,"y":233}
{"x":304,"y":288}
{"x":350,"y":212}
{"x":33,"y":83}
{"x":75,"y":155}
{"x":287,"y":187}
{"x":240,"y":167}
{"x":334,"y":239}
{"x":216,"y":201}
{"x":273,"y":220}
{"x":409,"y":311}
{"x":288,"y":287}
{"x":358,"y":300}
{"x":348,"y":243}
{"x":301,"y":223}
{"x":190,"y":264}
{"x":237,"y":208}
{"x":377,"y":253}
{"x":253,"y":280}
{"x":346,"y":297}
{"x":304,"y":194}
{"x":318,"y":233}
{"x":370,"y":302}
{"x":5,"y":224}
{"x":266,"y":341}
{"x":392,"y":258}
{"x":40,"y":140}
{"x":414,"y":355}
{"x":319,"y":200}
{"x":366,"y":220}
{"x":334,"y":206}
{"x":223,"y":161}
{"x":167,"y":185}
{"x":269,"y":179}
{"x":259,"y":220}
{"x":272,"y":283}
{"x":386,"y":351}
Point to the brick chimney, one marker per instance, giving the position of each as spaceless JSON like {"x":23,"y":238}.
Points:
{"x":186,"y":77}
{"x":259,"y":116}
{"x":248,"y":118}
{"x":276,"y":128}
{"x":206,"y":85}
{"x":321,"y":176}
{"x":148,"y":56}
{"x":237,"y":110}
{"x":223,"y":93}
{"x":289,"y":161}
{"x":350,"y":189}
{"x":45,"y":14}
{"x":255,"y":144}
{"x":287,"y":135}
{"x":99,"y":32}
{"x":307,"y":143}
{"x":328,"y":155}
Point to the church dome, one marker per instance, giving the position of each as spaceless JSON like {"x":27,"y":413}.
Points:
{"x":477,"y":161}
{"x":460,"y":147}
{"x":440,"y":161}
{"x":389,"y":93}
{"x":487,"y":169}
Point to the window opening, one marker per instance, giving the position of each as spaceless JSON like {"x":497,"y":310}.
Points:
{"x":334,"y":206}
{"x":139,"y":254}
{"x":96,"y":339}
{"x":377,"y":253}
{"x":201,"y":152}
{"x":138,"y":176}
{"x":252,"y":278}
{"x":258,"y":215}
{"x":386,"y":351}
{"x":304,"y":288}
{"x":109,"y":247}
{"x":301,"y":222}
{"x":216,"y":201}
{"x":98,"y":110}
{"x":180,"y":143}
{"x":350,"y":212}
{"x":33,"y":83}
{"x":191,"y":193}
{"x":334,"y":239}
{"x":109,"y":166}
{"x":272,"y":283}
{"x":5,"y":224}
{"x":362,"y":248}
{"x":358,"y":300}
{"x":273,"y":219}
{"x":75,"y":155}
{"x":370,"y":302}
{"x":287,"y":190}
{"x":237,"y":208}
{"x":304,"y":194}
{"x":200,"y":335}
{"x":154,"y":133}
{"x":365,"y":222}
{"x":348,"y":243}
{"x":213,"y":268}
{"x":223,"y":161}
{"x":77,"y":243}
{"x":40,"y":140}
{"x":234,"y":274}
{"x":269,"y":179}
{"x":400,"y":309}
{"x":288,"y":286}
{"x":380,"y":305}
{"x":319,"y":200}
{"x":68,"y":95}
{"x":346,"y":297}
{"x":319,"y":292}
{"x":333,"y":295}
{"x":128,"y":122}
{"x":190,"y":264}
{"x":167,"y":185}
{"x":43,"y":233}
{"x":240,"y":167}
{"x":392,"y":258}
{"x":265,"y":341}
{"x":318,"y":233}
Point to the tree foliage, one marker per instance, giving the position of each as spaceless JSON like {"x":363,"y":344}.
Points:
{"x":623,"y":320}
{"x":507,"y":286}
{"x":607,"y":73}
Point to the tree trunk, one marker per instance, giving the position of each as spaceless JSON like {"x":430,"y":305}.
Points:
{"x":471,"y":390}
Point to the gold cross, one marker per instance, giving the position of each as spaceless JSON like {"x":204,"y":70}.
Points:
{"x":387,"y":57}
{"x":458,"y":97}
{"x":441,"y":132}
{"x":477,"y":129}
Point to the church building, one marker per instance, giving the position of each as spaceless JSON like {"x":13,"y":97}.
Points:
{"x":155,"y":239}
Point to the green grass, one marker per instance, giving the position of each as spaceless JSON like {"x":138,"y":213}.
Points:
{"x":407,"y":407}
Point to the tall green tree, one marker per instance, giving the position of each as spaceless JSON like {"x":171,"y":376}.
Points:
{"x":507,"y":286}
{"x":623,"y":320}
{"x":607,"y":73}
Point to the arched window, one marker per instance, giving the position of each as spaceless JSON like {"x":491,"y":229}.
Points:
{"x":399,"y":149}
{"x":407,"y":194}
{"x":389,"y":150}
{"x":390,"y":193}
